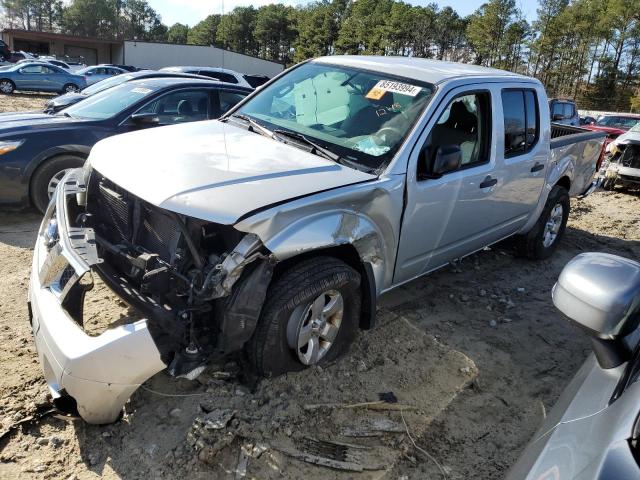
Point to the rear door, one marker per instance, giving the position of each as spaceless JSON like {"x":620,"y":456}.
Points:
{"x":524,"y":153}
{"x":57,"y":78}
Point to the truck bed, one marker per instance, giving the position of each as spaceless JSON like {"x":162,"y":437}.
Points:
{"x":583,"y":148}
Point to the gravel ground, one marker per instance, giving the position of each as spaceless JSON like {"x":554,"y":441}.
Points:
{"x":475,"y":354}
{"x":18,"y":102}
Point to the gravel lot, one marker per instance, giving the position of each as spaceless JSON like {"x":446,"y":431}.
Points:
{"x":476,"y":354}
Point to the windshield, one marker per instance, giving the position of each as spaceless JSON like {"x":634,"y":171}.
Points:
{"x":362,"y":116}
{"x":109,"y":103}
{"x":617,"y":121}
{"x":107,"y":83}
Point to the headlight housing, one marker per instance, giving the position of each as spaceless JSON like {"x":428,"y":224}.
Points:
{"x":7,"y":146}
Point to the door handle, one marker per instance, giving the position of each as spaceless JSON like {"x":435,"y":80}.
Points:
{"x":537,"y":167}
{"x":488,"y":182}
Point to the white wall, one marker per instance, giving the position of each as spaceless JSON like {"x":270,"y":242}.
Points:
{"x":159,"y":55}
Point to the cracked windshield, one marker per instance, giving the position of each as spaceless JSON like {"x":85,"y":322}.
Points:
{"x":360,"y":116}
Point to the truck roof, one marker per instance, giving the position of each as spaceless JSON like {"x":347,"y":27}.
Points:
{"x":423,"y":69}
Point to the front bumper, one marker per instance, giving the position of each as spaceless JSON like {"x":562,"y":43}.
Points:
{"x":99,"y":373}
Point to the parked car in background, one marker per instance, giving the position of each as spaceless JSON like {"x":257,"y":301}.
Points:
{"x":593,"y":431}
{"x":275,"y":228}
{"x":17,"y":56}
{"x":587,"y":120}
{"x":63,"y":101}
{"x":5,"y":53}
{"x":48,"y":61}
{"x":564,"y":112}
{"x":613,"y":125}
{"x":36,"y":149}
{"x":98,"y":73}
{"x":222,"y":74}
{"x":622,"y":161}
{"x":256,"y":80}
{"x":39,"y":77}
{"x":128,"y":68}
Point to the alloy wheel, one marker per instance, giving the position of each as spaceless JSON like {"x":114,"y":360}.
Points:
{"x":552,"y":227}
{"x":313,"y":327}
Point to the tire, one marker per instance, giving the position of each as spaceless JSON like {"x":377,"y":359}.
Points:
{"x":70,"y":88}
{"x":7,"y":86}
{"x":48,"y":175}
{"x":272,"y":349}
{"x":541,"y":242}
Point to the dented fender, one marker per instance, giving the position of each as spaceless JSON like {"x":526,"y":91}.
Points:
{"x":366,"y":216}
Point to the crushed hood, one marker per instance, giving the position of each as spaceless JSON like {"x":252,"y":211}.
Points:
{"x":215,"y":171}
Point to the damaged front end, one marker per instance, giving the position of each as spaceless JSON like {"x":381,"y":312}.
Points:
{"x":622,"y":165}
{"x":198,"y":287}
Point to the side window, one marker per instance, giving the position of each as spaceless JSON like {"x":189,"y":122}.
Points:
{"x":226,"y":77}
{"x":32,"y":69}
{"x":180,"y":107}
{"x":568,"y":110}
{"x":521,"y":121}
{"x":557,"y":109}
{"x":229,"y":99}
{"x":465,"y":123}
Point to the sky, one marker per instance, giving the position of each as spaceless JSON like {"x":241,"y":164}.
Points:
{"x":191,"y":12}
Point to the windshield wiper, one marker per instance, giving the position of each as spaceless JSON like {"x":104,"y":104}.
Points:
{"x":315,"y":148}
{"x":255,"y":126}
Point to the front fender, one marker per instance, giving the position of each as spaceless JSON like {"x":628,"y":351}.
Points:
{"x":332,"y":229}
{"x":80,"y":150}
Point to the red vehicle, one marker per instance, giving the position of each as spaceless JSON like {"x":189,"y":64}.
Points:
{"x":613,"y":125}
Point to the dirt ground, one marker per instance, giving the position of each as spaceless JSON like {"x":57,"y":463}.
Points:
{"x":475,"y":356}
{"x":18,"y":102}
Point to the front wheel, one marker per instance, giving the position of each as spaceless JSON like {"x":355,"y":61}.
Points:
{"x":7,"y":87}
{"x":48,"y":176}
{"x":544,"y":237}
{"x":311,"y":316}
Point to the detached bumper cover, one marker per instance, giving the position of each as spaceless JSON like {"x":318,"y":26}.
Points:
{"x":100,"y":373}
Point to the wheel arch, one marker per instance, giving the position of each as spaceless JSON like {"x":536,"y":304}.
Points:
{"x":564,"y":182}
{"x":349,"y":236}
{"x":78,"y":151}
{"x":349,"y":255}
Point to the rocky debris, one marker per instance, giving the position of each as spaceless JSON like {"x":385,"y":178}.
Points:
{"x":209,"y":433}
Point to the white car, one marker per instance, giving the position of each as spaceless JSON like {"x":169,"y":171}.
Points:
{"x":222,"y":74}
{"x":99,"y":72}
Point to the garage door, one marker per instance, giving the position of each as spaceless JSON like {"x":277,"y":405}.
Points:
{"x":88,"y":56}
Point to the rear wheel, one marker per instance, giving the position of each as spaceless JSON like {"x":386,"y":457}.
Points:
{"x":7,"y":87}
{"x":544,"y":237}
{"x":311,"y":316}
{"x":70,"y":88}
{"x":48,"y":175}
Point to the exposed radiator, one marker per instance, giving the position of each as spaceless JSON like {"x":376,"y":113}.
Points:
{"x":122,"y":218}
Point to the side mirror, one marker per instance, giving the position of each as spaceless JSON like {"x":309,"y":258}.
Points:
{"x":556,"y":117}
{"x":145,"y":119}
{"x":448,"y":158}
{"x":601,"y":294}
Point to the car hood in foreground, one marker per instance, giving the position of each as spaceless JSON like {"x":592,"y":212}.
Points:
{"x":12,"y":123}
{"x":215,"y":171}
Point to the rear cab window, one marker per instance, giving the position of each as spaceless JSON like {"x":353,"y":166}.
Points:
{"x":521,"y":121}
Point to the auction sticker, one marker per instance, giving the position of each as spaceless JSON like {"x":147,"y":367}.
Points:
{"x":384,"y":86}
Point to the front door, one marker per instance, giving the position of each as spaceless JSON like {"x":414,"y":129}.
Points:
{"x":458,"y":213}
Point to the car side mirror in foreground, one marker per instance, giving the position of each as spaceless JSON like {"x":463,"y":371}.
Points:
{"x":447,"y":158}
{"x":601,"y":294}
{"x":145,"y":119}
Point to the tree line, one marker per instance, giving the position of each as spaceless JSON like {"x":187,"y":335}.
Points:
{"x":582,"y":49}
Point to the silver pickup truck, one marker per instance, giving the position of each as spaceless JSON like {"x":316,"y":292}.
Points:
{"x":274,"y":229}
